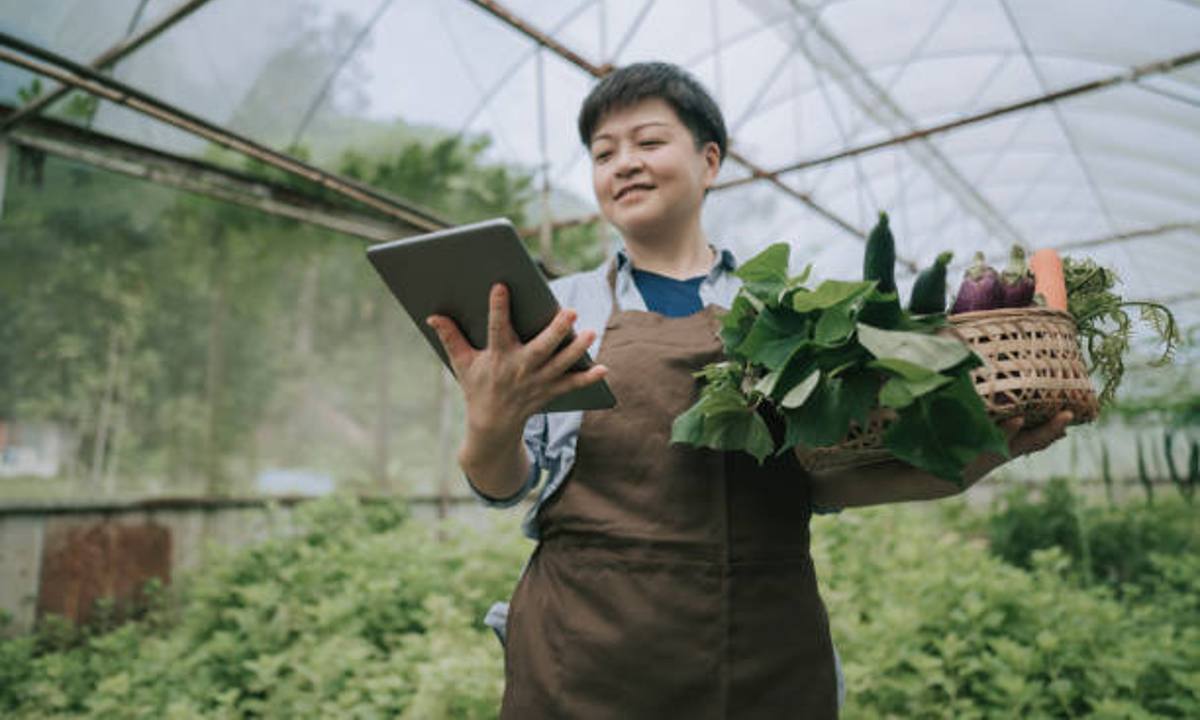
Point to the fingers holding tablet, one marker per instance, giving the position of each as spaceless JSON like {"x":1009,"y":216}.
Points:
{"x":453,"y":342}
{"x":545,"y":344}
{"x":501,"y":335}
{"x":567,"y":357}
{"x":495,"y":322}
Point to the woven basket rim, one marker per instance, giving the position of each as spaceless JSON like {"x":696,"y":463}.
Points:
{"x":1010,"y":312}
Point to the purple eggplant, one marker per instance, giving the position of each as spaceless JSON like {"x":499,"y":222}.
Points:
{"x":1016,"y":282}
{"x":980,"y":289}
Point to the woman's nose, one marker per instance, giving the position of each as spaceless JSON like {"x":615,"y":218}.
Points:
{"x":627,"y":163}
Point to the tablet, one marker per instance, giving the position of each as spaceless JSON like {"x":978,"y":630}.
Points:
{"x":451,"y":272}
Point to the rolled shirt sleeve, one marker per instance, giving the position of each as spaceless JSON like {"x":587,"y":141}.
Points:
{"x":535,"y":450}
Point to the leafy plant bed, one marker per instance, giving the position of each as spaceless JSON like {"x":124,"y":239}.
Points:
{"x":364,"y":614}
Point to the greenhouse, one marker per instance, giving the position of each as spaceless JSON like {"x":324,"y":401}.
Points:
{"x":234,"y":469}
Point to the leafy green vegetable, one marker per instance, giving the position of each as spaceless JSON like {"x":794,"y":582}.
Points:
{"x":1105,"y":327}
{"x":723,"y":420}
{"x":822,"y":359}
{"x":928,"y":351}
{"x":765,"y":275}
{"x":830,"y":293}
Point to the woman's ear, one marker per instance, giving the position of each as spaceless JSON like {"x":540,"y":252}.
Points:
{"x":712,"y":162}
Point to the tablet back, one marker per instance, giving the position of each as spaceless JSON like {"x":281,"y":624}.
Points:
{"x":451,"y":272}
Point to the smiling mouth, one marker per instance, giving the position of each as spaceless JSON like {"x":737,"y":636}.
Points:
{"x":630,"y":189}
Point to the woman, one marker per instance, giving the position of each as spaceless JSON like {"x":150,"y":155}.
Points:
{"x":668,"y":581}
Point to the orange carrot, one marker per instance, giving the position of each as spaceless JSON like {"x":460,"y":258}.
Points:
{"x":1048,"y":278}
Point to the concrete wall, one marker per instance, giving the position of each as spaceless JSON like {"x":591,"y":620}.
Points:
{"x":60,"y":557}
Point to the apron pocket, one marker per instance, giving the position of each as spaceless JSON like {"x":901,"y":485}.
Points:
{"x":637,"y":639}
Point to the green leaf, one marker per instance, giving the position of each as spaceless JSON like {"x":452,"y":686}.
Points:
{"x":921,"y":323}
{"x":830,"y":293}
{"x":977,"y":431}
{"x":835,"y":326}
{"x":766,"y":384}
{"x":802,"y":278}
{"x":859,"y":395}
{"x":726,"y":372}
{"x":895,"y":394}
{"x":928,"y":351}
{"x":745,"y":431}
{"x":765,"y":274}
{"x":909,"y":437}
{"x":903,"y":368}
{"x":799,"y":394}
{"x":721,"y":399}
{"x":688,"y":426}
{"x":824,"y":419}
{"x":944,"y":430}
{"x":736,"y":323}
{"x":775,"y":336}
{"x":899,"y":392}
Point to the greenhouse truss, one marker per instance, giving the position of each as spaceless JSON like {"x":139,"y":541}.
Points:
{"x":1073,"y":124}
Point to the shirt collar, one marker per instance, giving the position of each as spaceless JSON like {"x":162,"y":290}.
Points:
{"x":724,"y":262}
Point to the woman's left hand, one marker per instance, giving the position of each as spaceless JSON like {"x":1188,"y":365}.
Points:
{"x":1021,"y":442}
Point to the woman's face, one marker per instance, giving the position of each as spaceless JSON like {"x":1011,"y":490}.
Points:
{"x":647,"y":173}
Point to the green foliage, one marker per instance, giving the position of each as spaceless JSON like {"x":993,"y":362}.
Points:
{"x":1021,"y":526}
{"x":28,"y":93}
{"x":1105,"y":328}
{"x":183,"y":342}
{"x":1115,"y":546}
{"x":364,"y":613}
{"x":813,"y":358}
{"x":929,"y":624}
{"x":358,"y":614}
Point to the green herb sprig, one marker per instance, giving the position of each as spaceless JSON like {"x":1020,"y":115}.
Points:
{"x":822,"y":359}
{"x":1104,"y":325}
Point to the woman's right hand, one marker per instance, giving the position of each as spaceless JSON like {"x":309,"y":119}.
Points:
{"x":508,"y":381}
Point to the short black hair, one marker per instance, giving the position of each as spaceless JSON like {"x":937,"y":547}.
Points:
{"x":642,"y":81}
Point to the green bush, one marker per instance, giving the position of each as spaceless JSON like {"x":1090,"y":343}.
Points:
{"x":1023,"y":525}
{"x":930,"y":624}
{"x":364,"y":614}
{"x":1110,"y":545}
{"x":358,"y":615}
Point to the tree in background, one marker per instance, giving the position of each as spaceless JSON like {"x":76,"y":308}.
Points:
{"x":194,"y":342}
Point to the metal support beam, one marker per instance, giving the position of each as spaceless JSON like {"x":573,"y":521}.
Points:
{"x":534,"y":231}
{"x":1180,"y":298}
{"x":1132,"y":235}
{"x":120,"y":156}
{"x":106,"y":59}
{"x":59,"y":68}
{"x":1149,"y":69}
{"x":3,"y":171}
{"x":1139,"y":234}
{"x":598,"y":71}
{"x":829,"y":54}
{"x":510,"y":18}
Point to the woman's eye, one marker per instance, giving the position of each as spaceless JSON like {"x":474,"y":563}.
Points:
{"x":651,"y":143}
{"x":602,"y":156}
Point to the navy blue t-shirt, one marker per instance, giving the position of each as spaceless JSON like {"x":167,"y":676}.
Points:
{"x":668,"y":296}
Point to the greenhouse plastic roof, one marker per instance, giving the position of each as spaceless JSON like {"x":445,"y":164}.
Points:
{"x":1114,"y":169}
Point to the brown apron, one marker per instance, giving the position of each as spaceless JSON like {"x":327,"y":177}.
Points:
{"x":670,"y":581}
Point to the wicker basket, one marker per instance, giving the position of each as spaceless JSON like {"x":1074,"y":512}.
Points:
{"x":1032,"y":367}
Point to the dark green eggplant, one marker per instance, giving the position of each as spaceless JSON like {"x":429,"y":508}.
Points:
{"x":879,"y":262}
{"x":929,"y":291}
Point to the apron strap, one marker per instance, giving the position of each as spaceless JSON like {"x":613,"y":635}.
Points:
{"x":612,"y":284}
